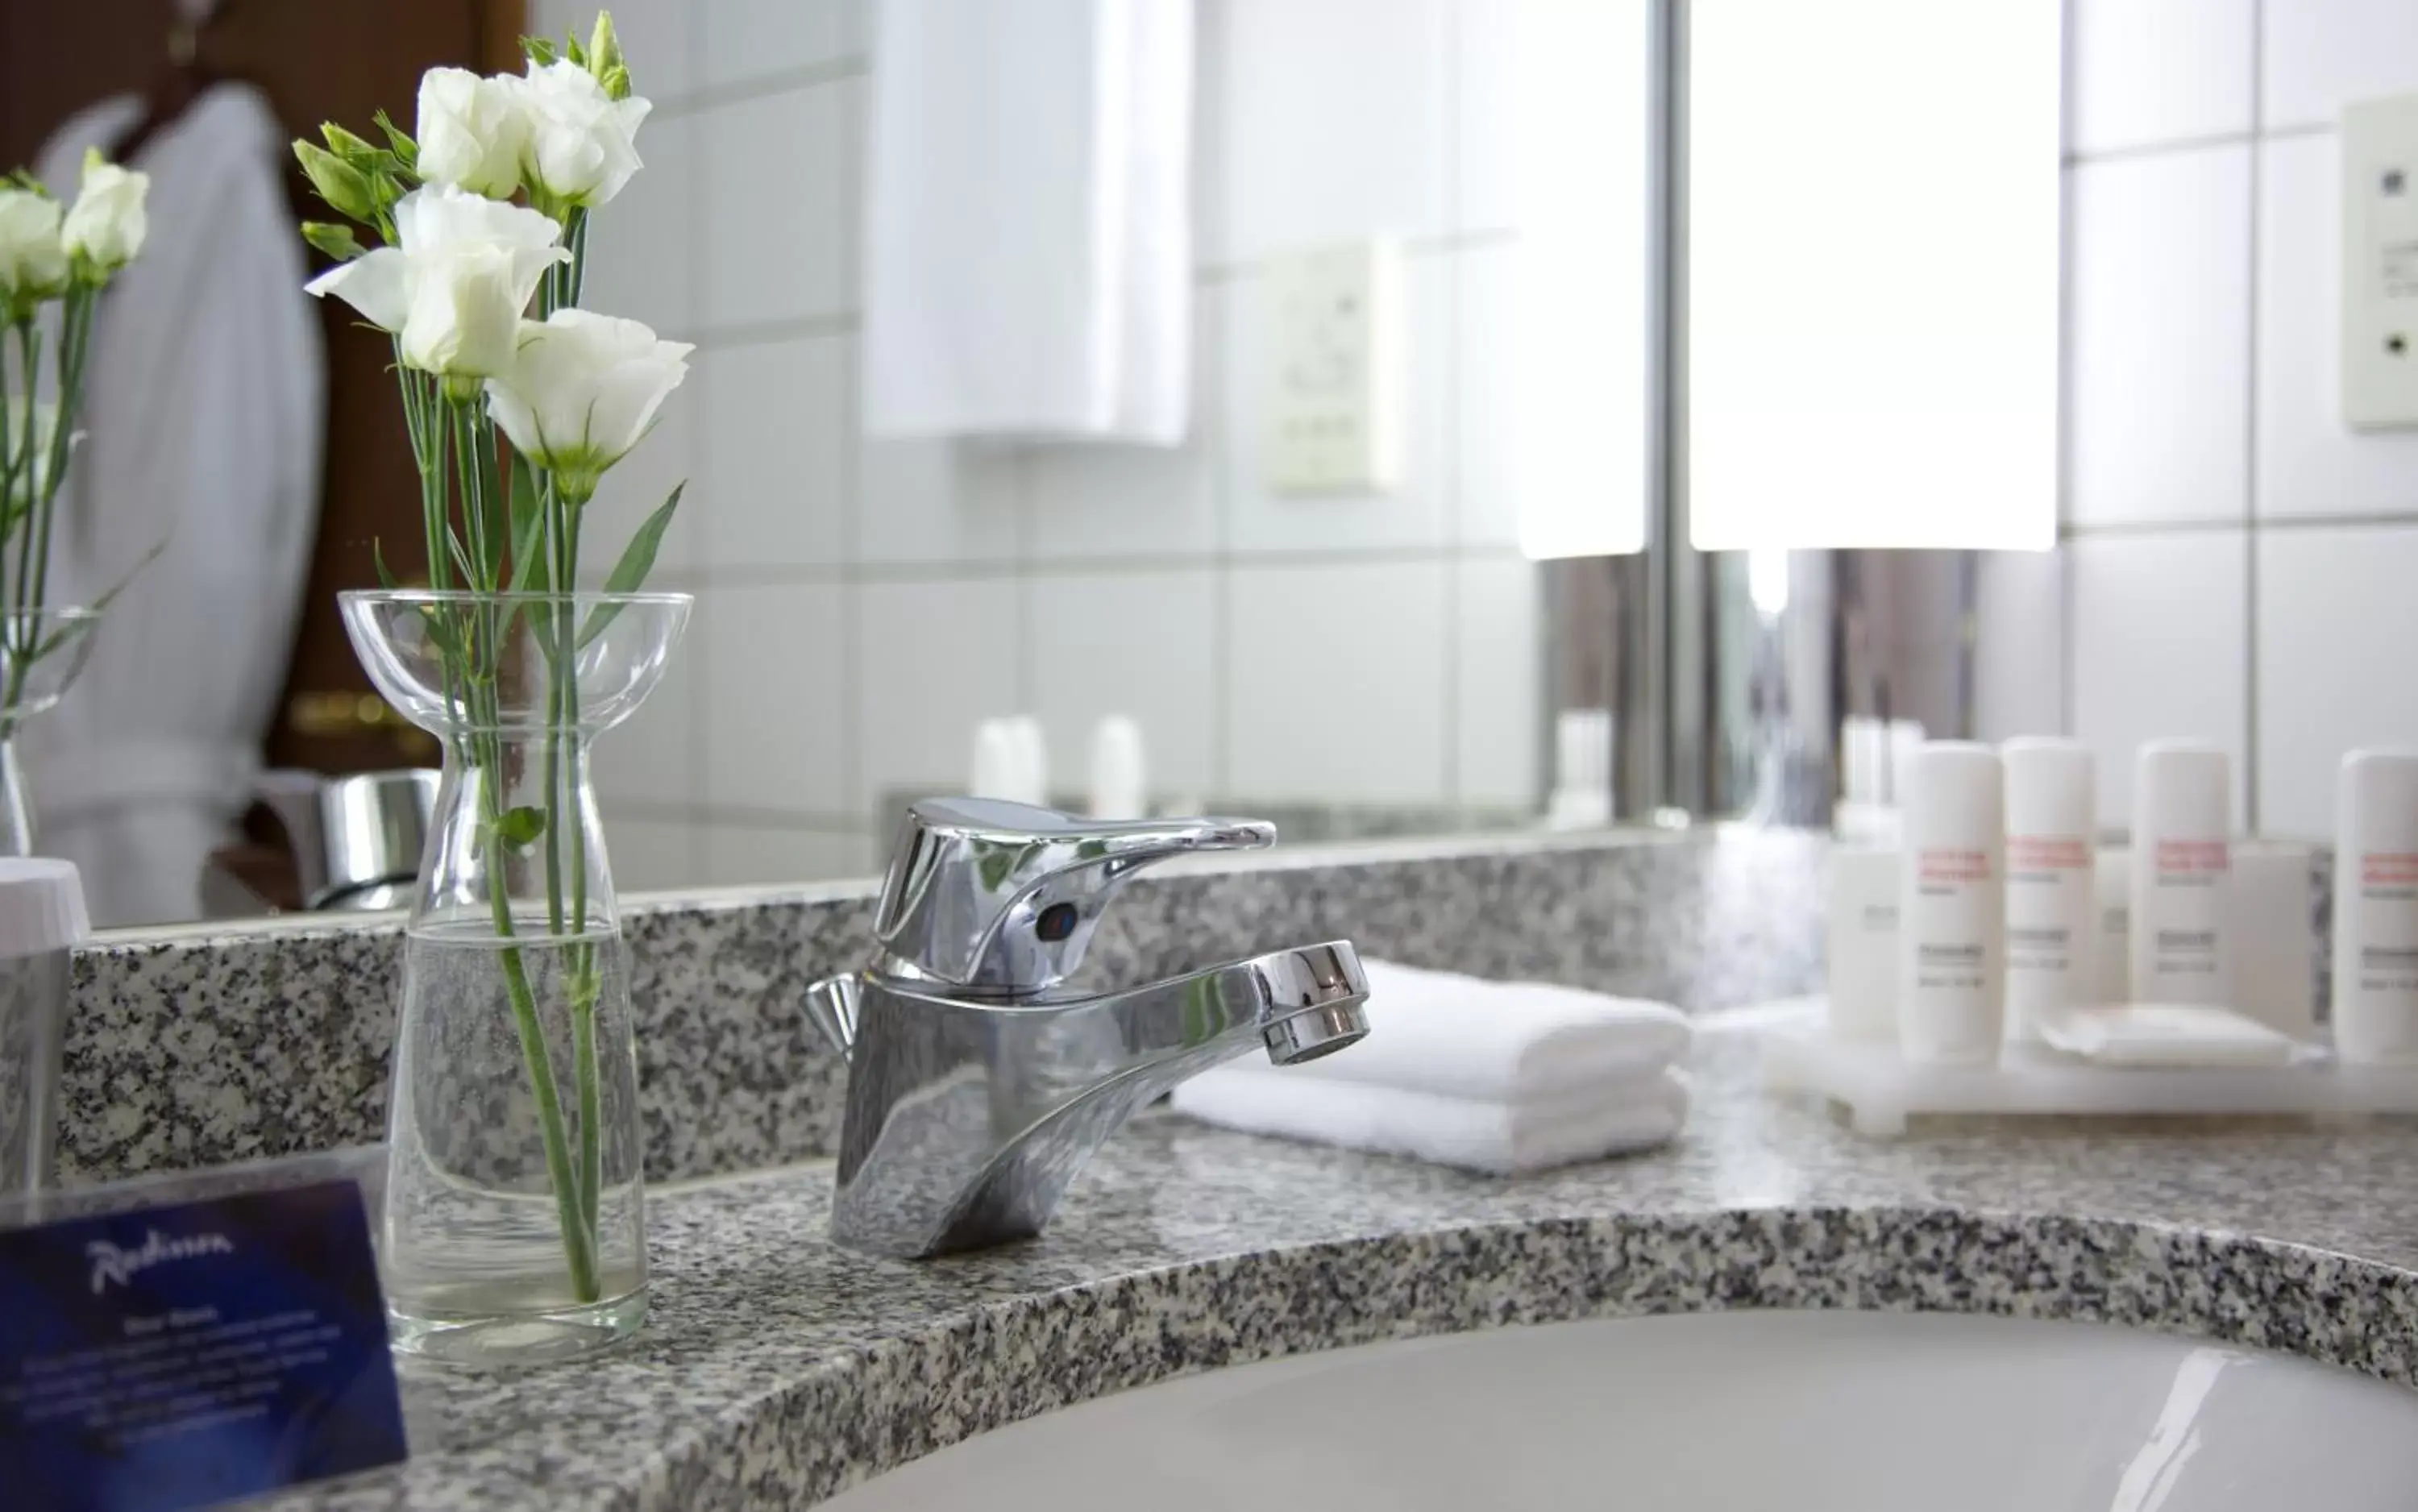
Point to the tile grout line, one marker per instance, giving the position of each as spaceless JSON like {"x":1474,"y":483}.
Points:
{"x":832,"y":323}
{"x":2136,"y":152}
{"x":699,"y":840}
{"x":2250,"y":782}
{"x":1449,"y":23}
{"x":2067,"y":262}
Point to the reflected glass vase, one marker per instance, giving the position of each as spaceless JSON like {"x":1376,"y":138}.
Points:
{"x":515,"y":1228}
{"x":42,"y":652}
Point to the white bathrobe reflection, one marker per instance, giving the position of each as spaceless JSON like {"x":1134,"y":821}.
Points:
{"x":203,"y":425}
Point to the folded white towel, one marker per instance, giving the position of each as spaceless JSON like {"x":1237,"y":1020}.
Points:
{"x":1458,"y":1036}
{"x":1499,"y":1138}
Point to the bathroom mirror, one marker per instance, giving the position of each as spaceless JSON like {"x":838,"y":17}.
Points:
{"x":1428,"y":219}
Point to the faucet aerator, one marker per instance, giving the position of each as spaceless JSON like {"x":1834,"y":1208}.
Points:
{"x":1322,"y":1031}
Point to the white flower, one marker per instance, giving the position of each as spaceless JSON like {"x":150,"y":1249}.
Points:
{"x":471,"y":131}
{"x":582,"y":391}
{"x":455,"y":286}
{"x":107,"y":225}
{"x":32,"y":260}
{"x":582,"y":142}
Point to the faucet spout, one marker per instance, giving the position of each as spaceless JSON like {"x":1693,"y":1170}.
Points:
{"x":967,"y":1118}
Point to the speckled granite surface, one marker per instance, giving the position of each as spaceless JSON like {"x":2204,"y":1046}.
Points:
{"x":197,"y":1050}
{"x":778,"y":1369}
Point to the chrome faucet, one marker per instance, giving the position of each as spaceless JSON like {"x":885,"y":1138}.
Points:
{"x":978,"y":1084}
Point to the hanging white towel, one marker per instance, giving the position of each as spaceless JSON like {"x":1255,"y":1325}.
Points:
{"x":1462,"y":1036}
{"x":203,"y":416}
{"x":1500,"y":1139}
{"x":1028,"y":244}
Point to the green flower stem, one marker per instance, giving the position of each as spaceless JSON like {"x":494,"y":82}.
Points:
{"x":75,"y":346}
{"x":478,"y":642}
{"x":30,"y":356}
{"x":570,"y":1208}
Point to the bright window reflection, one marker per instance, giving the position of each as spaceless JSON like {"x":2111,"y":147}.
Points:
{"x":1872,"y":296}
{"x":1578,"y":419}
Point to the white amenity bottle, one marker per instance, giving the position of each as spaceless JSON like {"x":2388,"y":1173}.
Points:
{"x":2375,"y":906}
{"x":2052,"y":904}
{"x":1951,"y":910}
{"x":2182,"y":873}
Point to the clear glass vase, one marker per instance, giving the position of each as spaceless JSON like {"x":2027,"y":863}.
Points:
{"x":42,"y":652}
{"x":515,"y":1228}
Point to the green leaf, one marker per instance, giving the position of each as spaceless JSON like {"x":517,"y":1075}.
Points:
{"x":572,"y":50}
{"x":529,"y":571}
{"x":519,"y":828}
{"x":58,"y":637}
{"x":378,"y":559}
{"x":127,"y":580}
{"x":538,"y":50}
{"x":629,"y":573}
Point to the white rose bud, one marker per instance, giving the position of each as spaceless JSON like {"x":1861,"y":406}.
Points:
{"x":32,"y":259}
{"x":582,"y":391}
{"x":582,"y":143}
{"x":456,"y":283}
{"x":472,"y":131}
{"x":107,"y":224}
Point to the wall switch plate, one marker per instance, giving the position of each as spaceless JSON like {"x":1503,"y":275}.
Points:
{"x":1335,"y":370}
{"x":2380,"y":272}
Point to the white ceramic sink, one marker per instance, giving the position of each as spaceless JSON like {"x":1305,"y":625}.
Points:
{"x":1810,"y":1411}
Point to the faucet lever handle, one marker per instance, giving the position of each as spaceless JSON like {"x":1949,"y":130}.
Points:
{"x":1004,"y":896}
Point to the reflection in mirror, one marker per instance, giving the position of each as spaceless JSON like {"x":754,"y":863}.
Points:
{"x":1306,"y":503}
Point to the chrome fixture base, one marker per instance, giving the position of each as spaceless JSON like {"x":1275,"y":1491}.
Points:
{"x":978,"y":1084}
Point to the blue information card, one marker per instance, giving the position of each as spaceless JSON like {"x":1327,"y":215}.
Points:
{"x":176,"y":1356}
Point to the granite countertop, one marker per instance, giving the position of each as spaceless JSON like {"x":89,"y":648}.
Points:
{"x":778,"y":1369}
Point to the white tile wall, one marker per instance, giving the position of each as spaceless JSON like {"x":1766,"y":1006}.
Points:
{"x":776,"y":699}
{"x":2158,"y":341}
{"x":2335,"y":619}
{"x":862,"y":603}
{"x":939,"y":501}
{"x":2019,"y":645}
{"x":641,"y":245}
{"x":1333,"y":121}
{"x":650,"y":758}
{"x":2308,"y":462}
{"x":1336,"y":682}
{"x":743,"y":855}
{"x":934,"y":660}
{"x":2160,"y":627}
{"x":1499,"y":682}
{"x":773,"y":462}
{"x":1485,"y":387}
{"x":2322,"y":54}
{"x":779,"y":177}
{"x":650,"y":854}
{"x":2144,"y":72}
{"x":2169,"y":625}
{"x":745,"y":40}
{"x":1141,"y":644}
{"x":1484,"y":39}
